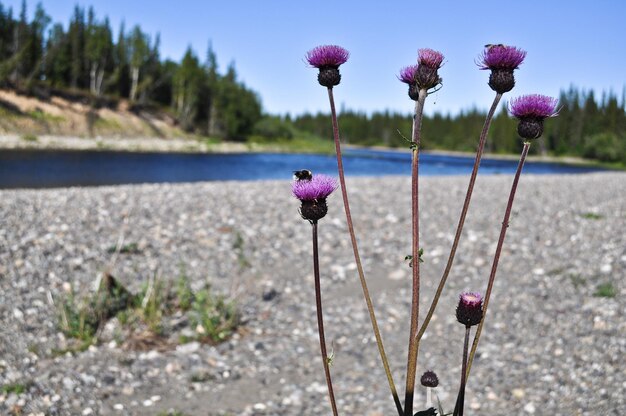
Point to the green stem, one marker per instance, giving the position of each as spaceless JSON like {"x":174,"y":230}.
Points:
{"x":320,"y":320}
{"x":496,"y":258}
{"x":411,"y":367}
{"x":466,"y":203}
{"x":357,"y":258}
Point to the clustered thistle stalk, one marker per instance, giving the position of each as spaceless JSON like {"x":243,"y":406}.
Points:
{"x":312,"y":190}
{"x":421,"y":77}
{"x":500,"y":60}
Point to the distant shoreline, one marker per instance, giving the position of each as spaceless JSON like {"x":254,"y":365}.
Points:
{"x":191,"y":145}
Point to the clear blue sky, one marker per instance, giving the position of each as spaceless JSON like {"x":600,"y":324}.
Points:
{"x":568,"y":42}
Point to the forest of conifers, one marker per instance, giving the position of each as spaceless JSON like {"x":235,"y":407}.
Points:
{"x":83,"y":57}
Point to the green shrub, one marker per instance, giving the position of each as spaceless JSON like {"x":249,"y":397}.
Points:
{"x":30,"y":138}
{"x":605,"y":147}
{"x":273,"y":128}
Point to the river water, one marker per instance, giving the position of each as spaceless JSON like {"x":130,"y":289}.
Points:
{"x":45,"y":169}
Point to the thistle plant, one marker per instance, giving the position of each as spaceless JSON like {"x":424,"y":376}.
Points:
{"x":327,"y":59}
{"x":423,"y":78}
{"x":312,"y":194}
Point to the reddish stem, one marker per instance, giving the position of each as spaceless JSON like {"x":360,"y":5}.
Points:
{"x":320,"y":320}
{"x":496,"y":258}
{"x":357,"y":258}
{"x":411,"y":367}
{"x":459,"y":228}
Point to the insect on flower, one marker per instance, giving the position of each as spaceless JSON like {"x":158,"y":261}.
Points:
{"x":302,"y":175}
{"x":493,"y":45}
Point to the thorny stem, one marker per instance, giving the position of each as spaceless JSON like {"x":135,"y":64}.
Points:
{"x":320,"y":320}
{"x":357,"y":258}
{"x":459,"y":228}
{"x":411,"y":366}
{"x":496,"y":258}
{"x":458,"y":411}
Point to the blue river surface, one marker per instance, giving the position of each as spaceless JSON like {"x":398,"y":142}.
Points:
{"x":48,"y":168}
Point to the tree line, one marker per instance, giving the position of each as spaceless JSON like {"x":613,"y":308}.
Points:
{"x":587,"y":126}
{"x":84,"y":56}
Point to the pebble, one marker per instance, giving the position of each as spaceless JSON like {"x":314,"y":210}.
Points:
{"x":398,"y":274}
{"x":557,"y":344}
{"x":518,"y":393}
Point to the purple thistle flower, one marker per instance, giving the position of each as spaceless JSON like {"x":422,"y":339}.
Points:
{"x":501,"y":57}
{"x":327,"y":59}
{"x":327,"y":55}
{"x":534,"y":106}
{"x":469,"y":312}
{"x":319,"y":187}
{"x":502,"y":60}
{"x":408,"y":74}
{"x":531,"y":110}
{"x":312,"y":194}
{"x":428,"y":63}
{"x":430,"y":58}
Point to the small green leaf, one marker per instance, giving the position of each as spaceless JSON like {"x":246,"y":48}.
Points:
{"x":410,"y":257}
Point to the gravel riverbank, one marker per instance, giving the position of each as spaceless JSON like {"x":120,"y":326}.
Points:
{"x":550,"y":346}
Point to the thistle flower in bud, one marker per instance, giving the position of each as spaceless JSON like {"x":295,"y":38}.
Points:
{"x":408,"y":75}
{"x":469,"y":312}
{"x":312,"y":194}
{"x":429,"y":379}
{"x":501,"y":60}
{"x":429,"y":61}
{"x":531,"y":110}
{"x":328,"y":58}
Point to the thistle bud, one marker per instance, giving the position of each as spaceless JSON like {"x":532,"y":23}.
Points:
{"x":502,"y":61}
{"x":429,"y":61}
{"x":531,"y":110}
{"x":327,"y":59}
{"x":408,"y":75}
{"x":469,"y":312}
{"x":429,"y":379}
{"x":312,"y":194}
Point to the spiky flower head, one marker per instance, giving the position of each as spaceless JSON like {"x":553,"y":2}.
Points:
{"x":429,"y":379}
{"x":531,"y":110}
{"x":312,"y":194}
{"x":430,"y":58}
{"x":501,"y":57}
{"x":408,"y":75}
{"x":469,"y":311}
{"x":502,"y":60}
{"x":327,"y":59}
{"x":428,"y":63}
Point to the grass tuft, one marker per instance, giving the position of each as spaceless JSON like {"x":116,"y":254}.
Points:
{"x":213,"y":318}
{"x":592,"y":216}
{"x":16,"y":388}
{"x":605,"y":290}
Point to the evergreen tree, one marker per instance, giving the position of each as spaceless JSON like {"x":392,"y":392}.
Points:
{"x":139,"y":45}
